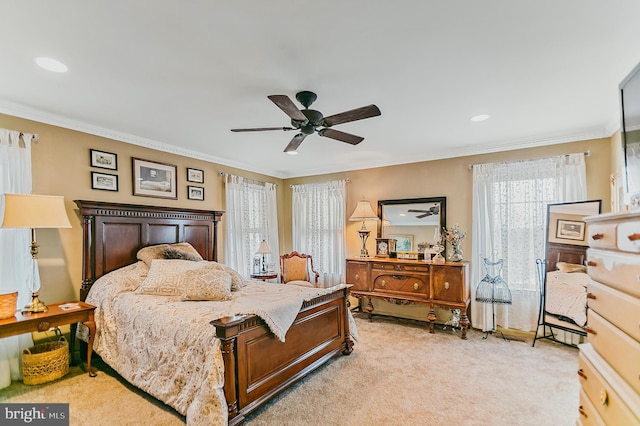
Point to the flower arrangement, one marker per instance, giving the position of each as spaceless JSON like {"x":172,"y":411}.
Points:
{"x":454,"y":235}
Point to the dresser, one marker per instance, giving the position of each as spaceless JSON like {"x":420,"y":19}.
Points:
{"x":609,"y":363}
{"x":404,"y":282}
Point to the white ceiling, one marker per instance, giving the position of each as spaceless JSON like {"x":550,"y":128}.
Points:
{"x":178,"y":75}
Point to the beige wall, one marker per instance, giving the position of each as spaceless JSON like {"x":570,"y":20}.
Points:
{"x":61,"y":167}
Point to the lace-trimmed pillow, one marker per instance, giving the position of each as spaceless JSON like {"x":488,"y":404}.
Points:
{"x":207,"y":284}
{"x":167,"y":277}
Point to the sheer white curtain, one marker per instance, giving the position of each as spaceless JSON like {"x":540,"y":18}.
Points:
{"x":319,"y":225}
{"x":15,"y":261}
{"x":251,"y":216}
{"x":509,"y":214}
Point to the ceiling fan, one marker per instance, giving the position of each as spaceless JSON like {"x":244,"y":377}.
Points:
{"x":309,"y":121}
{"x":432,"y":210}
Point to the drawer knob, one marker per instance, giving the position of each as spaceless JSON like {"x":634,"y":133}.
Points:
{"x":357,"y":277}
{"x":591,"y":263}
{"x":416,"y":286}
{"x":43,"y":326}
{"x":583,"y":413}
{"x":383,"y":283}
{"x":604,"y":397}
{"x":446,"y":285}
{"x":597,"y":236}
{"x":581,"y":374}
{"x":634,"y":237}
{"x":591,"y":296}
{"x":590,"y":330}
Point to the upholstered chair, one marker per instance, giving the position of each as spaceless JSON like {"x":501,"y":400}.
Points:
{"x":297,"y":269}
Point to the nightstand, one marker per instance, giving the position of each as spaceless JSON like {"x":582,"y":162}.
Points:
{"x":265,"y":276}
{"x":54,"y":317}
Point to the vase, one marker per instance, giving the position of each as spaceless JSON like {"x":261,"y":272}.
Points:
{"x":455,"y":255}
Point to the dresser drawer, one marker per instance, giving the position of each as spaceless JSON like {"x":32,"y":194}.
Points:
{"x":588,"y":414}
{"x":614,"y":400}
{"x":402,"y":285}
{"x":628,"y":236}
{"x":620,"y":351}
{"x":618,"y":270}
{"x":618,"y":308}
{"x":602,"y":235}
{"x":400,"y":267}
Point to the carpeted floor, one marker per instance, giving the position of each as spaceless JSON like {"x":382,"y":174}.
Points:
{"x":398,"y":374}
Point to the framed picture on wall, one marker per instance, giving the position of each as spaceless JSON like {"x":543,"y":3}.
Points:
{"x":154,"y":179}
{"x":195,"y":175}
{"x":195,"y":193}
{"x":103,"y":160}
{"x":570,"y":230}
{"x":104,"y":181}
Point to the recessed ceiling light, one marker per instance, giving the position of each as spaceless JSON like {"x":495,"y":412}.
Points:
{"x":480,"y":117}
{"x":51,"y":64}
{"x":292,"y":152}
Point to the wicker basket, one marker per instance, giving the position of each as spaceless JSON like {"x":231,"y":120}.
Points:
{"x":45,"y":362}
{"x":8,"y":303}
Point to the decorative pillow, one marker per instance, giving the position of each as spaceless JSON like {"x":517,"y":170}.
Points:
{"x":237,"y":280}
{"x":570,"y":267}
{"x":147,"y":254}
{"x":167,"y":277}
{"x":207,"y":284}
{"x":174,"y":253}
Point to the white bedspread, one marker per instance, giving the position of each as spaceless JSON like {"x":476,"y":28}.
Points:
{"x":168,"y":348}
{"x":567,"y":295}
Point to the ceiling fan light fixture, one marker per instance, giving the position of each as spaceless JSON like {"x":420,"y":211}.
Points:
{"x":51,"y":64}
{"x":292,"y":152}
{"x":480,"y":117}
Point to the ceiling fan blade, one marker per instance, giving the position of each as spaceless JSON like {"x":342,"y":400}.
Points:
{"x":286,"y":104}
{"x":416,"y":211}
{"x":261,"y":129}
{"x":295,"y":142}
{"x":340,"y":136}
{"x":352,"y":115}
{"x":420,"y":216}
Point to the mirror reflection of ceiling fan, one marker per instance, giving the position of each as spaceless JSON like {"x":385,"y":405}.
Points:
{"x":424,"y":213}
{"x":309,"y":121}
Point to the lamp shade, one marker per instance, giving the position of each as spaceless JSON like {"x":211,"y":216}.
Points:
{"x":363,"y":211}
{"x":33,"y":211}
{"x":264,"y":248}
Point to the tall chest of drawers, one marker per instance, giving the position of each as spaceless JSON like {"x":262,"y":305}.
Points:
{"x":609,"y":363}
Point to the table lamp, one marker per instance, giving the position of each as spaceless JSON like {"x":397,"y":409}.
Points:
{"x":33,"y":211}
{"x":263,"y":250}
{"x":363,"y":212}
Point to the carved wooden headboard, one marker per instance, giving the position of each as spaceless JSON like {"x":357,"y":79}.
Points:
{"x":565,"y":253}
{"x":113,"y":233}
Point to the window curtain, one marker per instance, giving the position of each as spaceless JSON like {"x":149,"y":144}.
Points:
{"x":509,"y":222}
{"x":15,"y":262}
{"x":319,"y":225}
{"x":252,"y":216}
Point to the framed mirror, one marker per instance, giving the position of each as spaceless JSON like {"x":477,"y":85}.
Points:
{"x":412,"y":221}
{"x":630,"y":114}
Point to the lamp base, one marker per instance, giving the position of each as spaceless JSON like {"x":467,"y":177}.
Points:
{"x":35,"y":306}
{"x":364,"y":234}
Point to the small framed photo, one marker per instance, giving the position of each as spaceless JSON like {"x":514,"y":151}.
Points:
{"x":104,"y":181}
{"x":404,"y":242}
{"x":570,"y":230}
{"x":154,"y":179}
{"x":103,"y":160}
{"x":195,"y":175}
{"x":195,"y":193}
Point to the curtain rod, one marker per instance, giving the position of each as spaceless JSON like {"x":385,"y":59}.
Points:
{"x":586,"y":153}
{"x":347,"y":180}
{"x":35,"y":136}
{"x":254,"y":181}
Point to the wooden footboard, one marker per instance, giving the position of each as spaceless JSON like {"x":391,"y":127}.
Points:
{"x":258,"y":365}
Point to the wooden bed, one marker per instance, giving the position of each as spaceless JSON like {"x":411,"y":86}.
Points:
{"x":257,"y":366}
{"x":572,"y":254}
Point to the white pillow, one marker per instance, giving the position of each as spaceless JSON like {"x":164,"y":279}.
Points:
{"x":167,"y":277}
{"x":207,"y":284}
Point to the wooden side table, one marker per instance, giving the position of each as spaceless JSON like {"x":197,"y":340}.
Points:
{"x":264,"y":277}
{"x":54,"y":317}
